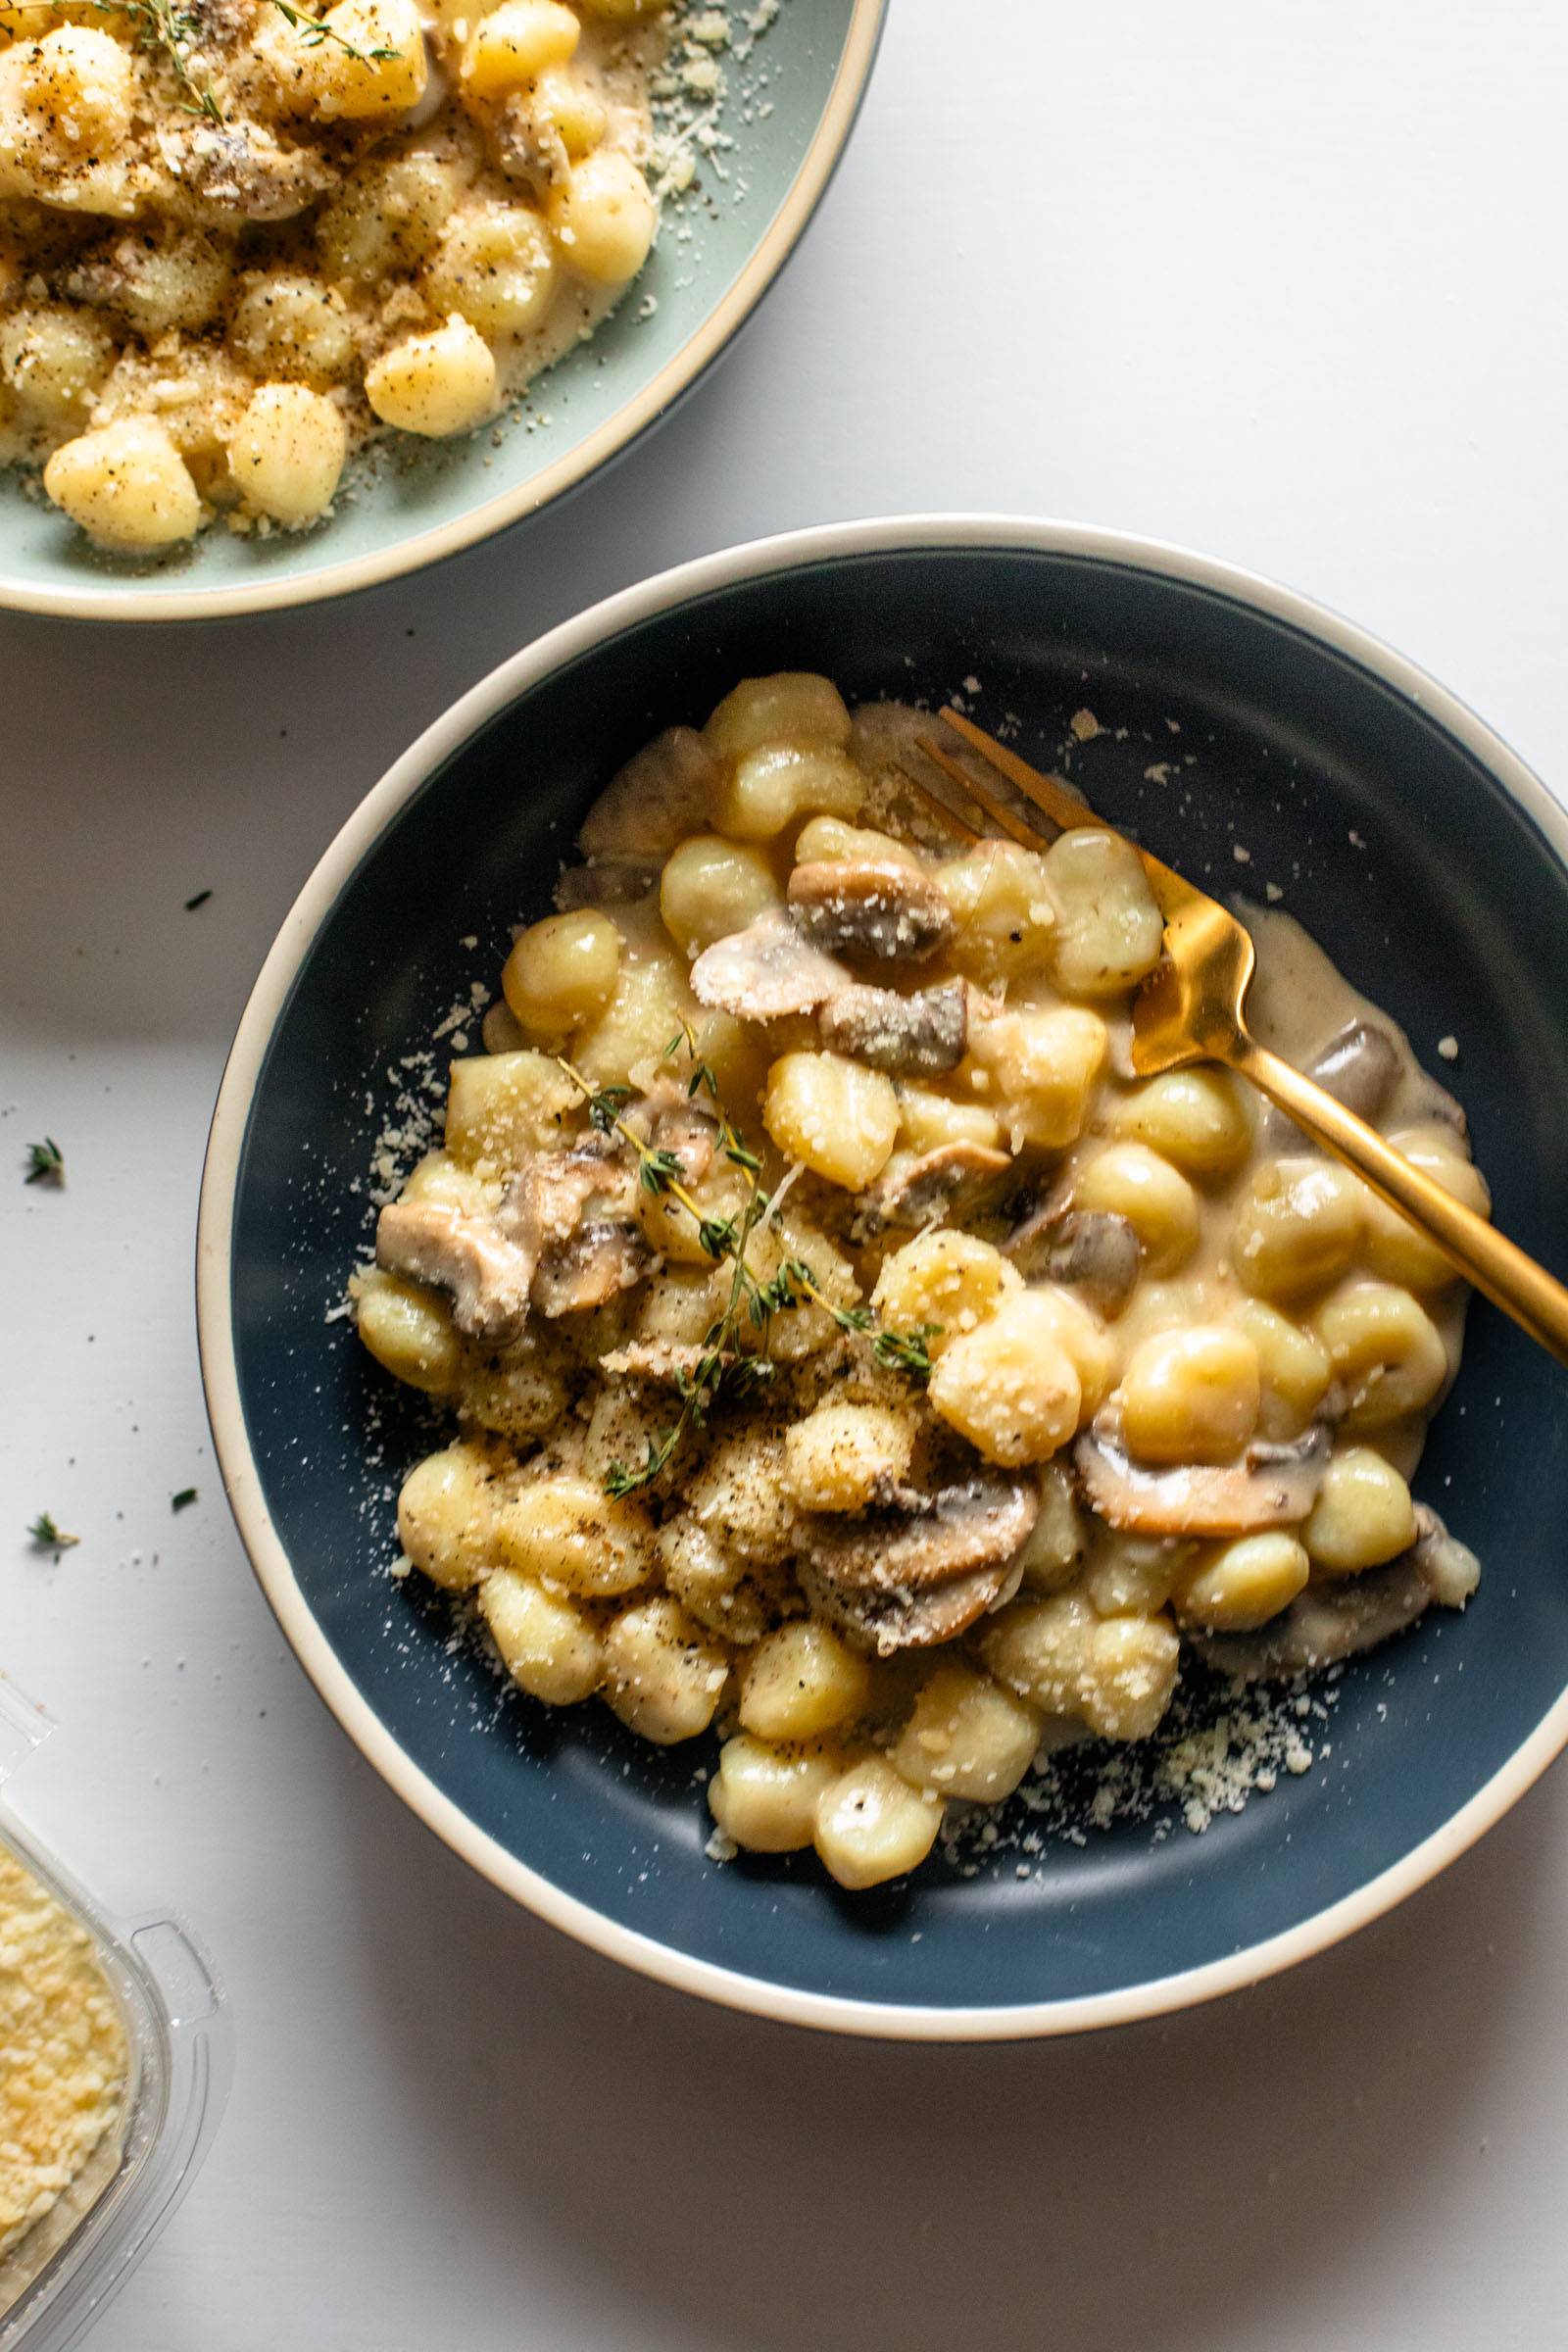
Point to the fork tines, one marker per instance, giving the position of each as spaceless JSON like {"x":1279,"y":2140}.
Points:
{"x":1046,"y":793}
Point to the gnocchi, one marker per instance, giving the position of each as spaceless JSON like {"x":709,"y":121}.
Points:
{"x":849,"y":1357}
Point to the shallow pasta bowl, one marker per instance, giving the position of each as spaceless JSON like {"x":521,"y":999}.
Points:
{"x":792,"y":109}
{"x":1234,"y":716}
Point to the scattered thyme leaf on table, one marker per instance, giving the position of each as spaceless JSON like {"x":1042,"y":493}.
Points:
{"x":46,"y":1164}
{"x":47,"y":1536}
{"x":181,"y":1500}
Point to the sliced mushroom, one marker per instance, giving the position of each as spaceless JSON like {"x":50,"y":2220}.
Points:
{"x":1328,"y":1623}
{"x":221,"y":23}
{"x":922,"y":1568}
{"x":1450,"y":1567}
{"x":573,"y":1212}
{"x":871,"y":906}
{"x":245,"y":170}
{"x":528,"y":147}
{"x":1091,"y":1250}
{"x":1272,"y":1485}
{"x":917,"y":1190}
{"x":602,"y":1257}
{"x":486,"y":1271}
{"x":915,"y":1035}
{"x":766,"y":971}
{"x":681,"y":1123}
{"x":664,"y":793}
{"x":1359,"y":1066}
{"x":610,"y":882}
{"x":551,"y":1193}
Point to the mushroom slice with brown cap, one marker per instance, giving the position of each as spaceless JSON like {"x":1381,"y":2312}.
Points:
{"x":915,"y":1035}
{"x":665,"y":792}
{"x":921,"y":1568}
{"x":1328,"y":1623}
{"x":598,"y":1260}
{"x":766,"y":971}
{"x":1091,"y":1250}
{"x":1271,"y":1486}
{"x":486,"y":1272}
{"x":1359,"y":1066}
{"x":573,"y":1212}
{"x":244,"y":170}
{"x":871,"y":906}
{"x":914,"y":1192}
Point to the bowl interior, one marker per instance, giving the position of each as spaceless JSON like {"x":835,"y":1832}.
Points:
{"x":1404,"y":855}
{"x":417,"y":499}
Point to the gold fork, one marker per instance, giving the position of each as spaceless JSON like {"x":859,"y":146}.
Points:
{"x":1191,"y":1009}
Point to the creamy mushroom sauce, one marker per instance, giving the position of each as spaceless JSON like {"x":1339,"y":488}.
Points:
{"x":850,"y":1355}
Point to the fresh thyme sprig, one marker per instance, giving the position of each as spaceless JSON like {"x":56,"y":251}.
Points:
{"x":316,"y":30}
{"x":171,"y":32}
{"x":49,"y":1537}
{"x":46,"y":1164}
{"x":725,"y":1365}
{"x":906,"y":1351}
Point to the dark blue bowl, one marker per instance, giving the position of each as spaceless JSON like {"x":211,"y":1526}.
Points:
{"x":1414,"y":845}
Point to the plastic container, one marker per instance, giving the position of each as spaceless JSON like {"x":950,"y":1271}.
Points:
{"x":179,"y":2047}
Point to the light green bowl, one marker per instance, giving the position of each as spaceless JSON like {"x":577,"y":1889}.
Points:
{"x":423,"y":501}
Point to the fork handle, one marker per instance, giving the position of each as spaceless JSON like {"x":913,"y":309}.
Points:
{"x":1513,"y":1281}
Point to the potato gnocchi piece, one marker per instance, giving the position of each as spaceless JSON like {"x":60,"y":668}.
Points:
{"x":1109,"y":929}
{"x":1363,"y":1515}
{"x":502,"y":1107}
{"x":1040,"y":1067}
{"x":1195,"y":1119}
{"x":871,"y":1826}
{"x":1117,"y":1674}
{"x":766,"y":1796}
{"x":842,"y":1457}
{"x":408,"y":1331}
{"x":802,"y":1682}
{"x":663,"y":1676}
{"x":833,"y":1115}
{"x":1010,"y":1388}
{"x":968,"y":1737}
{"x":952,"y":1281}
{"x":1191,"y":1395}
{"x":1298,"y":1227}
{"x":550,"y":1648}
{"x":1128,"y":1179}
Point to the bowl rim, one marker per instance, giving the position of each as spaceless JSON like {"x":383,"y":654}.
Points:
{"x":520,"y":673}
{"x":648,"y":407}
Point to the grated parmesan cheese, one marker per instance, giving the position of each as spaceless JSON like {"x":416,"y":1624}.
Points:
{"x":63,"y":2062}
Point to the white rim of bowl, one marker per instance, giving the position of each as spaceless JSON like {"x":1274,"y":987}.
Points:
{"x":611,"y":439}
{"x":757,"y":1995}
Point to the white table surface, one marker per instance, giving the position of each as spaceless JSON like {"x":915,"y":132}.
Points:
{"x":1284,"y":283}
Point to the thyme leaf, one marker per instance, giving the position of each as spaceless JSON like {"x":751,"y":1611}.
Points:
{"x":47,"y":1536}
{"x":316,"y":30}
{"x":46,"y":1164}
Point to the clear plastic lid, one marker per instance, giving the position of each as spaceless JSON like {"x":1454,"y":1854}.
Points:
{"x":179,"y":2042}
